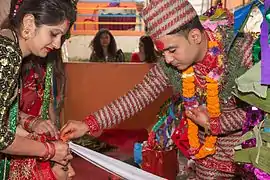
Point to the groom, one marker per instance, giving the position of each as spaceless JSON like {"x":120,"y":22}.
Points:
{"x":196,"y":65}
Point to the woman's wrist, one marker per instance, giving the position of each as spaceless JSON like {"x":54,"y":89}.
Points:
{"x":49,"y":152}
{"x":28,"y":123}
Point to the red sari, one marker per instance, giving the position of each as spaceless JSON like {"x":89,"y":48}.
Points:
{"x":25,"y":168}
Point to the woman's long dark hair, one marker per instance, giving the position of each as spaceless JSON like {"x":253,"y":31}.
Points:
{"x":97,"y":47}
{"x":46,"y":12}
{"x":149,"y":49}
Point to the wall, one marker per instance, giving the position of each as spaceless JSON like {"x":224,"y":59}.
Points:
{"x":90,"y":86}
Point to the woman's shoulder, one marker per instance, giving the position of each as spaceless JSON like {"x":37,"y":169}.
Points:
{"x":7,"y":35}
{"x":9,"y":48}
{"x":94,"y":58}
{"x":7,"y":41}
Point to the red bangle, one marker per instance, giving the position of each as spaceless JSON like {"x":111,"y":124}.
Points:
{"x":52,"y":154}
{"x":28,"y":123}
{"x":92,"y":124}
{"x":47,"y":152}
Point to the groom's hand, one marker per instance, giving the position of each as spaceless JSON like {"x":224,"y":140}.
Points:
{"x":73,"y":129}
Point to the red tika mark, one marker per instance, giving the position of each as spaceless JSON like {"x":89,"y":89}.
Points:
{"x":159,"y":45}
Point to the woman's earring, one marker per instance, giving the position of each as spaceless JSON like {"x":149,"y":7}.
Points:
{"x":26,"y":34}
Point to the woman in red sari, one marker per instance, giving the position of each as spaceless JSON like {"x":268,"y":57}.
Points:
{"x":31,"y":125}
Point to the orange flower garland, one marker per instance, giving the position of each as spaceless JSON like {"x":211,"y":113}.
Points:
{"x":213,"y":109}
{"x":189,"y":92}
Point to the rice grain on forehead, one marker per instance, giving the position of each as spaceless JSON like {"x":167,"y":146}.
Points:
{"x":164,"y":16}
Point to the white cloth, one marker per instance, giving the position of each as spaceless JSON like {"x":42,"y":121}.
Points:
{"x":114,"y":166}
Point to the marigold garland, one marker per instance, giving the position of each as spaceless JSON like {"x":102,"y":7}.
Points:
{"x":213,"y":108}
{"x":188,"y":93}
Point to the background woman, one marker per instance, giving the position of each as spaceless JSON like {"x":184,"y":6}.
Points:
{"x":104,"y":48}
{"x":147,"y":52}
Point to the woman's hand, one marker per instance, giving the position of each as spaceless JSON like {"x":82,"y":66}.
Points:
{"x":41,"y":126}
{"x":62,"y":153}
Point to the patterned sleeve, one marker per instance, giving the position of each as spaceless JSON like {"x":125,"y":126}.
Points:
{"x":246,"y":45}
{"x":231,"y":119}
{"x":153,"y":84}
{"x":10,"y":61}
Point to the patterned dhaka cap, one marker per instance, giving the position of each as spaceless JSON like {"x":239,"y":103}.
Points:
{"x":164,"y":16}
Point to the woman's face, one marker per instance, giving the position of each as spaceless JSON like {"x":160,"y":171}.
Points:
{"x":141,"y":47}
{"x":46,"y":38}
{"x":105,"y":40}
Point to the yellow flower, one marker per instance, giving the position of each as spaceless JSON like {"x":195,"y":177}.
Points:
{"x":212,"y":44}
{"x":218,"y":36}
{"x":220,"y":60}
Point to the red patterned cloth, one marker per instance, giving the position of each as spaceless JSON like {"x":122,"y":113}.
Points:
{"x":180,"y":138}
{"x":32,"y":93}
{"x":25,"y":168}
{"x":161,"y":163}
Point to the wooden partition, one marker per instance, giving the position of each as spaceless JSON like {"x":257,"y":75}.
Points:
{"x":90,"y":86}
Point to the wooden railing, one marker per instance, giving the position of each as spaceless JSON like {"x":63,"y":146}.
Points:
{"x":90,"y":19}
